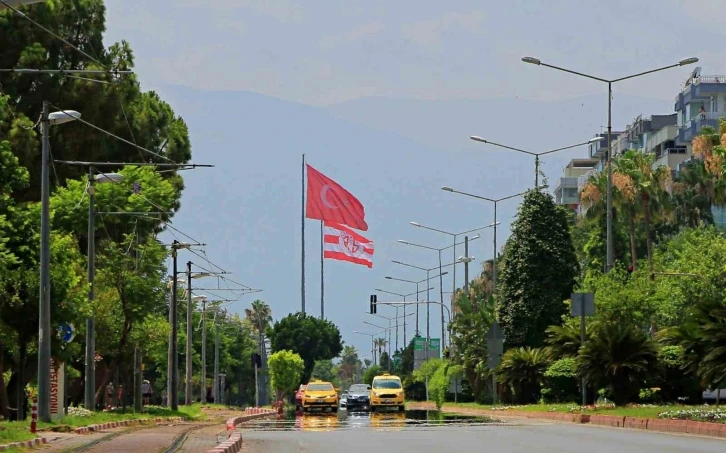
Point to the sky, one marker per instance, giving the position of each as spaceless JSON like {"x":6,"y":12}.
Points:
{"x":317,"y":56}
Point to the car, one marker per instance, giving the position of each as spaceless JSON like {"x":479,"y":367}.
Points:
{"x":344,"y":400}
{"x":387,"y":392}
{"x":320,"y":395}
{"x":359,"y":397}
{"x":299,"y":394}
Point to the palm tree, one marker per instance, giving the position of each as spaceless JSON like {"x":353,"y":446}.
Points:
{"x":260,"y":316}
{"x":523,"y":370}
{"x":620,"y":356}
{"x":693,"y":195}
{"x":564,"y":340}
{"x":644,"y":191}
{"x":380,"y":343}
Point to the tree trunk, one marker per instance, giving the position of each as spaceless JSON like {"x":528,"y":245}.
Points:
{"x":646,"y":221}
{"x":4,"y":402}
{"x":631,"y":233}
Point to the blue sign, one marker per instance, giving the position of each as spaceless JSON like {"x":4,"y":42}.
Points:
{"x":66,"y":332}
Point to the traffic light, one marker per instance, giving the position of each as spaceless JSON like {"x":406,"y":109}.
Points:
{"x":374,"y":301}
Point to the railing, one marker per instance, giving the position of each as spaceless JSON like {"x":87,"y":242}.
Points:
{"x":710,"y":115}
{"x":582,"y":180}
{"x":710,"y":79}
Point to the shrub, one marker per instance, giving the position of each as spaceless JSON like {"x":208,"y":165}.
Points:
{"x":560,"y":382}
{"x":522,"y":370}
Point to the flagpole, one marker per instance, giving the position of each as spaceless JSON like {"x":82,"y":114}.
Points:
{"x":322,"y":272}
{"x":302,"y":226}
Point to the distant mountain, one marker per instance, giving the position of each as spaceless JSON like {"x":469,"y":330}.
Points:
{"x":394,"y":155}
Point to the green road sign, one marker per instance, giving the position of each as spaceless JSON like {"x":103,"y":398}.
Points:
{"x":434,"y":344}
{"x":419,"y":343}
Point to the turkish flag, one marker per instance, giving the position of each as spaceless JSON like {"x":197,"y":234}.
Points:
{"x":329,"y":202}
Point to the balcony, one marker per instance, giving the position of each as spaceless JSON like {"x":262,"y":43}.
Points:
{"x":670,"y":157}
{"x":582,"y":180}
{"x":693,"y":127}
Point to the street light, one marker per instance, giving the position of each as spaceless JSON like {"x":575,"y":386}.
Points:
{"x":441,"y":285}
{"x":449,"y":233}
{"x":536,"y":61}
{"x":404,"y":307}
{"x":47,"y":120}
{"x":93,"y":179}
{"x":392,"y":318}
{"x":441,"y":274}
{"x":495,"y":201}
{"x":531,"y":153}
{"x":373,"y":348}
{"x":427,"y":279}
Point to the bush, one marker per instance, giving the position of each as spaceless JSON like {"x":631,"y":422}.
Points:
{"x":522,"y":370}
{"x":560,"y":382}
{"x":676,"y":385}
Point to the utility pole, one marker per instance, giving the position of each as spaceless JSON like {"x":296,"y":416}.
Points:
{"x":173,"y":394}
{"x":170,"y":353}
{"x":215,"y":388}
{"x":466,"y":267}
{"x":90,"y":384}
{"x":44,"y":314}
{"x":204,"y":352}
{"x":188,"y":390}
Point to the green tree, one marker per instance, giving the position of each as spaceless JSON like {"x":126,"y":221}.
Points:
{"x":618,"y":356}
{"x":522,"y":369}
{"x":312,"y":338}
{"x":285,"y":368}
{"x":371,"y":372}
{"x":326,"y":370}
{"x":539,"y":272}
{"x":469,"y":330}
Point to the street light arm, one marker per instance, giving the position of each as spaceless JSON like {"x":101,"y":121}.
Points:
{"x":647,"y":72}
{"x":416,"y":224}
{"x":409,"y":265}
{"x":564,"y":148}
{"x":402,"y":279}
{"x":481,"y":140}
{"x":582,"y":74}
{"x":389,"y":292}
{"x":449,"y":189}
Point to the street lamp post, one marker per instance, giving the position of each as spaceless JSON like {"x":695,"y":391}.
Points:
{"x":441,"y":287}
{"x":385,"y":329}
{"x":536,"y":61}
{"x":90,"y":378}
{"x":427,"y":279}
{"x":404,"y":311}
{"x":495,"y":201}
{"x":188,"y":397}
{"x":373,"y":348}
{"x":47,"y":120}
{"x":449,"y":233}
{"x":476,"y":138}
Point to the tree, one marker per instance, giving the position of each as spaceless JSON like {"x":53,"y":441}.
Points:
{"x":522,"y":369}
{"x":619,"y":356}
{"x":285,"y":368}
{"x":349,"y":364}
{"x":325,"y":370}
{"x":539,"y":272}
{"x":380,"y":344}
{"x":385,"y":361}
{"x":312,"y":338}
{"x":469,"y":330}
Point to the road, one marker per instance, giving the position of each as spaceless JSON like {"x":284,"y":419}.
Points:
{"x":401,"y":433}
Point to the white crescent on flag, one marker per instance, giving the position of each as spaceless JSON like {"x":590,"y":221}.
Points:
{"x":343,"y":244}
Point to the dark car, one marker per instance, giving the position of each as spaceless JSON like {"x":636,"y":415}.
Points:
{"x":359,"y":397}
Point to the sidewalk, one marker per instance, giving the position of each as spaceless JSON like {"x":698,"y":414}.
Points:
{"x":202,"y":440}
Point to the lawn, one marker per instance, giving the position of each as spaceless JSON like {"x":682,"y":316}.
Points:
{"x":18,"y":431}
{"x":640,"y":410}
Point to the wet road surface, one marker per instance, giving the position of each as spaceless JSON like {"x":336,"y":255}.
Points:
{"x":431,"y":431}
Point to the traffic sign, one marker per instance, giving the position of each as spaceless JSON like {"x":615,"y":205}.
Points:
{"x":493,"y":361}
{"x":419,"y":343}
{"x":434,"y":344}
{"x":583,"y":304}
{"x":495,"y":332}
{"x":66,"y":332}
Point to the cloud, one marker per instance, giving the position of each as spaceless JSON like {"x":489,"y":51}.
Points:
{"x":430,"y":32}
{"x":282,"y":10}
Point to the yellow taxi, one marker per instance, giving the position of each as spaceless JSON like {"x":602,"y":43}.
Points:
{"x":387,"y":391}
{"x":320,"y":395}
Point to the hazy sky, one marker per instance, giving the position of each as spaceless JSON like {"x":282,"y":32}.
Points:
{"x":323,"y":52}
{"x":326,"y":52}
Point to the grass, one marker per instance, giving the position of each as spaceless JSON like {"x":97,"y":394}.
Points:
{"x":644,"y":411}
{"x":19,"y":431}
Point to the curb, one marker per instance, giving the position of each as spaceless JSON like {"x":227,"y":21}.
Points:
{"x":132,"y":422}
{"x":234,"y":443}
{"x":662,"y":425}
{"x":26,"y":443}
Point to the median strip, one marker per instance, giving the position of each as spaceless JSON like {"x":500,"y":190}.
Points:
{"x":234,"y":443}
{"x":614,"y":421}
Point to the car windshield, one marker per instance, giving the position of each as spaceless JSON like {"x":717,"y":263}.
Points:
{"x":358,"y":388}
{"x":387,"y":384}
{"x":319,"y":387}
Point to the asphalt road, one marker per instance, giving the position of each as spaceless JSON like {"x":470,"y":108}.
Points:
{"x":399,"y":433}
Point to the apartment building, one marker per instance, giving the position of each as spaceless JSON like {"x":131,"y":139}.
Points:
{"x":701,"y":103}
{"x":566,"y":192}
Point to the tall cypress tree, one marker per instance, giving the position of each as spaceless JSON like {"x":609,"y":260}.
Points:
{"x":539,"y":271}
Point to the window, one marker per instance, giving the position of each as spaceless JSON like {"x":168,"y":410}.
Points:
{"x":319,"y":387}
{"x":359,"y":388}
{"x":387,"y":384}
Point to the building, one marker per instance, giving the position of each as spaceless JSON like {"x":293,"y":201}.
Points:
{"x":566,"y":190}
{"x":700,"y":103}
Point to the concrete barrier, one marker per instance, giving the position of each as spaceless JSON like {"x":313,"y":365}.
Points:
{"x":25,"y":444}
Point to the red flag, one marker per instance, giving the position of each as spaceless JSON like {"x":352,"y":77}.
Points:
{"x":344,"y":244}
{"x":329,"y":202}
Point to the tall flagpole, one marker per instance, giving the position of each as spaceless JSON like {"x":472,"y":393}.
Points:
{"x":322,"y":272}
{"x":302,"y":226}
